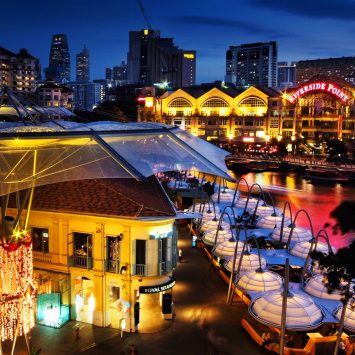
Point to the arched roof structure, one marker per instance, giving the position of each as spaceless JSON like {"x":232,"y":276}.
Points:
{"x":55,"y":151}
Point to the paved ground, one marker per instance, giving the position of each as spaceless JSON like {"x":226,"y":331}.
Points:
{"x":203,"y":323}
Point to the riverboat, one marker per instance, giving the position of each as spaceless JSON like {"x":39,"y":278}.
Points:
{"x":331,"y":176}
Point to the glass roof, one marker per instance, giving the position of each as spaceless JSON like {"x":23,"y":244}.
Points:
{"x":38,"y":154}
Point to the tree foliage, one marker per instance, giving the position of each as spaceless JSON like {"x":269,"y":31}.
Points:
{"x":336,"y":147}
{"x":344,"y":216}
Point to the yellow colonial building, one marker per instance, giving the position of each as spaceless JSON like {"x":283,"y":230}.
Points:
{"x":104,"y":251}
{"x":257,"y":114}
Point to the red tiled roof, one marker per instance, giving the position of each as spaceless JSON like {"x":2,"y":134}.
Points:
{"x":113,"y":197}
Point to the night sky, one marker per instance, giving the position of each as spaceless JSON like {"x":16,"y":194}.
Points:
{"x":303,"y":29}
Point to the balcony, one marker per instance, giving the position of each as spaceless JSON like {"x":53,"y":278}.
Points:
{"x":112,"y":266}
{"x":42,"y":257}
{"x":83,"y":261}
{"x":139,"y":269}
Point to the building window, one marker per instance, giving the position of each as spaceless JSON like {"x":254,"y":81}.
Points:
{"x":179,"y":102}
{"x":139,"y":267}
{"x":113,"y":297}
{"x":274,"y":123}
{"x":215,"y":102}
{"x":252,"y":101}
{"x":82,"y":249}
{"x":113,"y":253}
{"x":40,"y":239}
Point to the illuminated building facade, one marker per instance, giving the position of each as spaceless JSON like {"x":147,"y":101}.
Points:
{"x":59,"y":60}
{"x":321,"y":110}
{"x":155,"y":60}
{"x":83,"y":66}
{"x":51,"y":94}
{"x":103,"y":252}
{"x":252,"y":64}
{"x":86,"y":95}
{"x":19,"y":72}
{"x":338,"y":68}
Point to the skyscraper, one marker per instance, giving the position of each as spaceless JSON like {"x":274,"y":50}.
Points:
{"x":59,"y":60}
{"x":286,"y":75}
{"x":83,"y":66}
{"x":252,"y":64}
{"x":152,"y":60}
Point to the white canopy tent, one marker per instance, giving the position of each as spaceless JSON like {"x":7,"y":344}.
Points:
{"x":250,"y":262}
{"x":349,"y":320}
{"x":301,"y":312}
{"x":299,"y":234}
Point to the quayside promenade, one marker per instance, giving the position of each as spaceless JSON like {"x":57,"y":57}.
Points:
{"x":203,"y":323}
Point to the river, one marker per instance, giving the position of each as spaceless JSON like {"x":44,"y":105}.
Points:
{"x":317,"y":199}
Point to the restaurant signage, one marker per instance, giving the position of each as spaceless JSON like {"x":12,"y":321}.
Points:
{"x":158,"y":288}
{"x":319,"y":86}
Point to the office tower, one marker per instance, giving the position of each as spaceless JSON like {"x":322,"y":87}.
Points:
{"x":86,"y":95}
{"x":252,"y":64}
{"x":120,"y":72}
{"x":154,"y":60}
{"x":83,"y":66}
{"x":19,"y":72}
{"x":286,"y":75}
{"x":109,"y":75}
{"x":59,"y":60}
{"x":341,"y":68}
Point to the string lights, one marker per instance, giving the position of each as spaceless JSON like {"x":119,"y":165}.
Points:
{"x":17,"y":295}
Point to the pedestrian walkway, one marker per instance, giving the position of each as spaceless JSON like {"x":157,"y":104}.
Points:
{"x":203,"y":322}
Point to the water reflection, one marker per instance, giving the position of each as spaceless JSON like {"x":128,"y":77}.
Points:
{"x":318,"y":200}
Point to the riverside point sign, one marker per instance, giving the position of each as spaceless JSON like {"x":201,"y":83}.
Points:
{"x":319,"y":86}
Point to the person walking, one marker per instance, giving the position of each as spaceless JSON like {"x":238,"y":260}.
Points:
{"x":180,"y":255}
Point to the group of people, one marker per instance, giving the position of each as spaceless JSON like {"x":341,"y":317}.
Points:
{"x":268,"y":338}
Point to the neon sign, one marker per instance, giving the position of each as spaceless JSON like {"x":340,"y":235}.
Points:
{"x":319,"y":86}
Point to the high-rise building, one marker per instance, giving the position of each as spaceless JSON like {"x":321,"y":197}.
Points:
{"x":86,"y":95}
{"x":19,"y":72}
{"x":252,"y":64}
{"x":153,"y":60}
{"x":286,"y":75}
{"x":59,"y":60}
{"x":83,"y":66}
{"x":109,"y":75}
{"x":341,"y":68}
{"x":120,"y":72}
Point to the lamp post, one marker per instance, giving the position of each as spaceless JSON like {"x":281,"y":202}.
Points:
{"x":234,"y":260}
{"x":229,"y":296}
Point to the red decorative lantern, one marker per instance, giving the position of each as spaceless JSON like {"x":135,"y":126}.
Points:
{"x":10,"y":247}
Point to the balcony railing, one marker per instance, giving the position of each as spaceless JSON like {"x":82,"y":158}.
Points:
{"x":139,"y":269}
{"x":42,"y":257}
{"x":83,"y":261}
{"x":112,"y":266}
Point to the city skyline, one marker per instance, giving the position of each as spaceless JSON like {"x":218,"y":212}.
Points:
{"x":303,"y":30}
